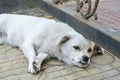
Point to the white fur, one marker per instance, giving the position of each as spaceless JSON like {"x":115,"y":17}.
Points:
{"x":41,"y":38}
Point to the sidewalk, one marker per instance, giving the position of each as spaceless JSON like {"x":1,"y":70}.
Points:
{"x":13,"y":64}
{"x":108,"y":12}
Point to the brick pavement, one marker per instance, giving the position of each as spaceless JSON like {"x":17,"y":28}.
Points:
{"x":108,"y":12}
{"x":13,"y":64}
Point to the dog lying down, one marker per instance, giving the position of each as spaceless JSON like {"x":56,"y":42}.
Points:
{"x":41,"y":38}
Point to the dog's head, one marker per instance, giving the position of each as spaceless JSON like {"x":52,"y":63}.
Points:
{"x":77,"y":50}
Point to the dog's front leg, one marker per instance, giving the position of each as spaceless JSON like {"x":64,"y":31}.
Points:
{"x":38,"y":60}
{"x":29,"y":52}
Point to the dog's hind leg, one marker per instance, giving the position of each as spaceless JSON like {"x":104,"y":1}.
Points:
{"x":29,"y":52}
{"x":38,"y":60}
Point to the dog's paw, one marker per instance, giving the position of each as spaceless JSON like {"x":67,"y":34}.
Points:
{"x":36,"y":66}
{"x":32,"y":69}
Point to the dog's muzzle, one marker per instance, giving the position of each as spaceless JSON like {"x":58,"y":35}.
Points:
{"x":85,"y":60}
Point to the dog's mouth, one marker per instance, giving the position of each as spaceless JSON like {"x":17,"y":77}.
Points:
{"x":81,"y":63}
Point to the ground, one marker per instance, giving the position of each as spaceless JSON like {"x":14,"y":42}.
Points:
{"x":13,"y":64}
{"x":108,"y":12}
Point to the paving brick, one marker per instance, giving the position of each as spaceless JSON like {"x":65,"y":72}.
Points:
{"x":1,"y":75}
{"x":47,"y":78}
{"x":54,"y":74}
{"x":106,"y":67}
{"x":75,"y":68}
{"x":107,"y":79}
{"x":116,"y":64}
{"x":94,"y":71}
{"x":119,"y":69}
{"x":42,"y":76}
{"x":4,"y":49}
{"x":9,"y":73}
{"x":2,"y":56}
{"x":12,"y":72}
{"x":2,"y":46}
{"x":0,"y":70}
{"x":110,"y":13}
{"x":71,"y":77}
{"x":87,"y":78}
{"x":36,"y":77}
{"x":100,"y":76}
{"x":116,"y":77}
{"x":6,"y":68}
{"x":112,"y":73}
{"x":66,"y":71}
{"x":18,"y":64}
{"x":26,"y":77}
{"x":21,"y":70}
{"x":13,"y":52}
{"x":16,"y":57}
{"x":54,"y":68}
{"x":3,"y":79}
{"x":103,"y":60}
{"x":5,"y":64}
{"x":54,"y":61}
{"x":13,"y":78}
{"x":60,"y":78}
{"x":90,"y":66}
{"x":117,"y":59}
{"x":82,"y":74}
{"x":3,"y":60}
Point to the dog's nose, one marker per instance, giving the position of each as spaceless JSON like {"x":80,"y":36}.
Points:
{"x":85,"y":58}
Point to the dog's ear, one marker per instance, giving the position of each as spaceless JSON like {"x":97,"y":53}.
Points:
{"x":97,"y":50}
{"x":62,"y":40}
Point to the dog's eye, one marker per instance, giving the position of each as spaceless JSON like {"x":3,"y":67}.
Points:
{"x":89,"y":50}
{"x":76,"y":47}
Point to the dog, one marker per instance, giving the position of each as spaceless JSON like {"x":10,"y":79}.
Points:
{"x":40,"y":38}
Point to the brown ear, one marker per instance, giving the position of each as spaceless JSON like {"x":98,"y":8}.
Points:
{"x":62,"y":40}
{"x":98,"y":50}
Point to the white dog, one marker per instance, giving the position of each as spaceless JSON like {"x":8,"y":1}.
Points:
{"x":41,"y":38}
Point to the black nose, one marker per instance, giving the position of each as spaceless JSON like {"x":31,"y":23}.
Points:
{"x":85,"y":58}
